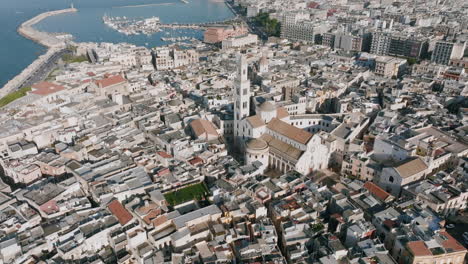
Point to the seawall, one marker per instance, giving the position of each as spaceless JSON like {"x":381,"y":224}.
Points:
{"x":53,"y":44}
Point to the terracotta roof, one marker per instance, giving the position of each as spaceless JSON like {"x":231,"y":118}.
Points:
{"x":120,"y":212}
{"x":50,"y":207}
{"x":109,"y":81}
{"x":376,"y":191}
{"x":159,"y":220}
{"x":195,"y":161}
{"x":281,"y":113}
{"x":282,"y":148}
{"x":256,"y":144}
{"x":289,"y":131}
{"x":145,"y":209}
{"x":418,"y":248}
{"x":203,"y":126}
{"x":151,"y":216}
{"x":45,"y":88}
{"x":255,"y":121}
{"x":411,"y":168}
{"x":164,"y":171}
{"x":451,"y":244}
{"x":164,"y":154}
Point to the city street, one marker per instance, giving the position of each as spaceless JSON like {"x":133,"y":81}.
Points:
{"x":45,"y":69}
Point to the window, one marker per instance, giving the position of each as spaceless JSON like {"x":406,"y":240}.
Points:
{"x":391,"y":179}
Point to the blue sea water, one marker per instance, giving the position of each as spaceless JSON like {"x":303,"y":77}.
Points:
{"x":86,"y":25}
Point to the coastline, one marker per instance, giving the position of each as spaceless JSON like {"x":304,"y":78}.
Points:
{"x":48,"y":40}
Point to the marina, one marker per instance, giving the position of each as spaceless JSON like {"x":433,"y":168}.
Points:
{"x":128,"y":26}
{"x":146,"y":5}
{"x":87,"y":25}
{"x":149,"y":26}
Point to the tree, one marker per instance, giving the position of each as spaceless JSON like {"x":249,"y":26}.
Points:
{"x":271,"y":26}
{"x":411,"y":61}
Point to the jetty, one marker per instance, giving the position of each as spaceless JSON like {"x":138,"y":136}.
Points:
{"x":46,"y":39}
{"x":55,"y":46}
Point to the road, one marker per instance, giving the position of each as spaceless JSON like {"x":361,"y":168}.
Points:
{"x":253,"y":28}
{"x":43,"y":71}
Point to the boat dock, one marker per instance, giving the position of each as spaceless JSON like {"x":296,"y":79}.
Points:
{"x":152,"y":25}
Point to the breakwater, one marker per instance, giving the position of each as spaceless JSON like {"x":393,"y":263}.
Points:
{"x":54,"y":45}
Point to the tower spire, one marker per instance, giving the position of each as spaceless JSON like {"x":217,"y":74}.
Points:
{"x":241,"y":95}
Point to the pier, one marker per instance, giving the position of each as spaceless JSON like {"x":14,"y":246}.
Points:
{"x":152,"y":25}
{"x":55,"y":48}
{"x":46,"y":39}
{"x":199,"y":25}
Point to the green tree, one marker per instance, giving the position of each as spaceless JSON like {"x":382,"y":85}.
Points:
{"x":271,"y":26}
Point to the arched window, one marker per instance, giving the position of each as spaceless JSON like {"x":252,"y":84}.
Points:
{"x":391,"y":179}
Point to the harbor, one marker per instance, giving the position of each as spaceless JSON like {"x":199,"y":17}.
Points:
{"x":44,"y":38}
{"x":55,"y":43}
{"x":86,"y":25}
{"x":153,"y":25}
{"x":127,"y":26}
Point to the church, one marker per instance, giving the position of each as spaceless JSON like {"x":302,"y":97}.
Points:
{"x":270,"y":137}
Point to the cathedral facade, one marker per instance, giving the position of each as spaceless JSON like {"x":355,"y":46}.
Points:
{"x":269,"y":136}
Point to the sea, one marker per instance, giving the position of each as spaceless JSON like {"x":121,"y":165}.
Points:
{"x":17,"y":52}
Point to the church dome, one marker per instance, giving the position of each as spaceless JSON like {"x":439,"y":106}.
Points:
{"x":267,"y":107}
{"x":256,"y":144}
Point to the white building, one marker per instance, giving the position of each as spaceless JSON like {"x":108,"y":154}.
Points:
{"x":389,"y":66}
{"x":394,"y":178}
{"x":293,"y":27}
{"x":445,"y":51}
{"x":239,"y":41}
{"x":269,"y":138}
{"x":169,"y":58}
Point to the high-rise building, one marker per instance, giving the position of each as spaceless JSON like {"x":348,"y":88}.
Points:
{"x":342,"y":41}
{"x":384,"y":43}
{"x":407,"y":47}
{"x":241,"y":96}
{"x":380,"y":43}
{"x":445,"y":51}
{"x":294,"y":29}
{"x":347,"y":42}
{"x":328,"y":39}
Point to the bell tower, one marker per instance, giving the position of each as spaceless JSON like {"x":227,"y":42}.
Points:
{"x":241,"y":95}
